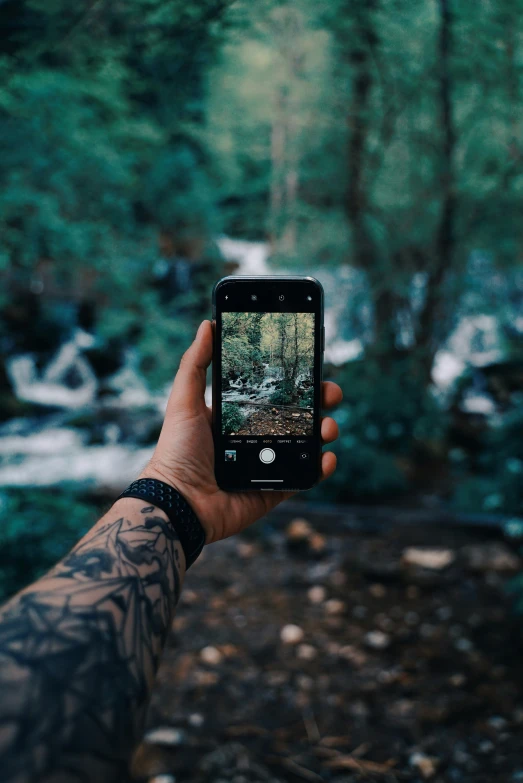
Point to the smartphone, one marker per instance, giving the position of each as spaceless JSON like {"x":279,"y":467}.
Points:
{"x":267,"y":374}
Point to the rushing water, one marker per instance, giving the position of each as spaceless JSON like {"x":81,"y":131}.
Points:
{"x":47,"y":452}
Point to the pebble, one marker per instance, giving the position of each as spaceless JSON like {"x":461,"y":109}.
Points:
{"x":463,"y":645}
{"x":304,"y":682}
{"x":353,"y":655}
{"x":291,"y":634}
{"x":491,"y":557}
{"x":164,"y":778}
{"x":433,"y":559}
{"x":338,"y":579}
{"x":486,"y":746}
{"x":444,"y":613}
{"x":458,"y":680}
{"x":317,"y":594}
{"x":189,"y":597}
{"x":196,"y":720}
{"x":298,"y":530}
{"x":317,"y":543}
{"x":427,"y":630}
{"x":377,"y":591}
{"x":246,"y":550}
{"x":413,"y":592}
{"x":412,"y":618}
{"x":164,"y":735}
{"x":334,"y":606}
{"x":423,"y":764}
{"x":359,"y":612}
{"x":211,"y":655}
{"x":306,"y":652}
{"x":377,"y":640}
{"x":497,"y":722}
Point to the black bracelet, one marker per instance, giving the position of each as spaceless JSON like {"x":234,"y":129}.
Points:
{"x":181,"y":516}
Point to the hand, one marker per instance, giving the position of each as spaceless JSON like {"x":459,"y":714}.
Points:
{"x":184,"y":455}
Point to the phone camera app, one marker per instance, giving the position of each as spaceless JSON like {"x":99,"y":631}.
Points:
{"x":230,"y":455}
{"x":281,"y":297}
{"x":304,"y":455}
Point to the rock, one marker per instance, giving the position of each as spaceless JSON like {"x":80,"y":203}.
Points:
{"x":196,"y":720}
{"x":291,"y":634}
{"x":164,"y":735}
{"x":189,"y":597}
{"x":165,"y":778}
{"x":304,"y":682}
{"x":432,"y":559}
{"x":425,"y":765}
{"x":246,"y":550}
{"x":317,"y":594}
{"x":306,"y":652}
{"x":458,"y":680}
{"x":377,"y":640}
{"x":491,"y":557}
{"x":338,"y":579}
{"x":351,"y":653}
{"x":298,"y":530}
{"x":377,"y":590}
{"x":497,"y":722}
{"x":463,"y":645}
{"x":211,"y":655}
{"x":317,"y":544}
{"x":334,"y":606}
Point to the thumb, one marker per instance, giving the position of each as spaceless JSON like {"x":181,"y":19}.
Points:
{"x":188,"y":392}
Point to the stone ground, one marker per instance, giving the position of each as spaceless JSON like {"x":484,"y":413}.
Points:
{"x":277,"y":421}
{"x":318,"y":653}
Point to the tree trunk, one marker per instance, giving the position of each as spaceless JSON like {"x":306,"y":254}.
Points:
{"x":431,"y":324}
{"x":282,"y":346}
{"x":296,"y":354}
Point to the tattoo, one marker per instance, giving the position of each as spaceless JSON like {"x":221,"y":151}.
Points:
{"x":79,"y":651}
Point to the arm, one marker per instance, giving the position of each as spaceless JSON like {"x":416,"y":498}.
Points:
{"x":80,"y":647}
{"x":79,"y":650}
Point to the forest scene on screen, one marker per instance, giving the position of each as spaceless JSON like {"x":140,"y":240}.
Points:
{"x":267,"y":373}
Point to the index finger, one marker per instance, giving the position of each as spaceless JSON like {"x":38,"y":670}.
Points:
{"x":331,"y":394}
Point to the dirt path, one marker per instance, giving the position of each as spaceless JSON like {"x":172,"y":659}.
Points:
{"x":389,"y":671}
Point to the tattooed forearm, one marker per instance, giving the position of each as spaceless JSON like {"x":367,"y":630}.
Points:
{"x":79,"y":650}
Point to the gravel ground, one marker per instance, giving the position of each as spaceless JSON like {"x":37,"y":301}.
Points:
{"x":313,"y":656}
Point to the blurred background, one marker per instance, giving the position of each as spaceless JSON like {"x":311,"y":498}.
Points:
{"x":148,"y":148}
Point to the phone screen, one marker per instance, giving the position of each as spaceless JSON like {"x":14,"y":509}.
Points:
{"x":267,"y":382}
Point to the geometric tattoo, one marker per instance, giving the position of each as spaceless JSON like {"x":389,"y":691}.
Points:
{"x":79,"y":651}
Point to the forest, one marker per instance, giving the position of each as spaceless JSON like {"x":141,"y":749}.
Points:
{"x":366,"y":630}
{"x":267,"y":373}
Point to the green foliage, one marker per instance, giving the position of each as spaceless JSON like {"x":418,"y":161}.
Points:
{"x":496,"y":484}
{"x":283,"y":395}
{"x":232,"y":417}
{"x":308,"y":398}
{"x":387,"y":419}
{"x":38,"y":529}
{"x":102,"y":149}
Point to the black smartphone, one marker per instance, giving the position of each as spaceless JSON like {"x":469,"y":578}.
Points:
{"x":267,"y":374}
